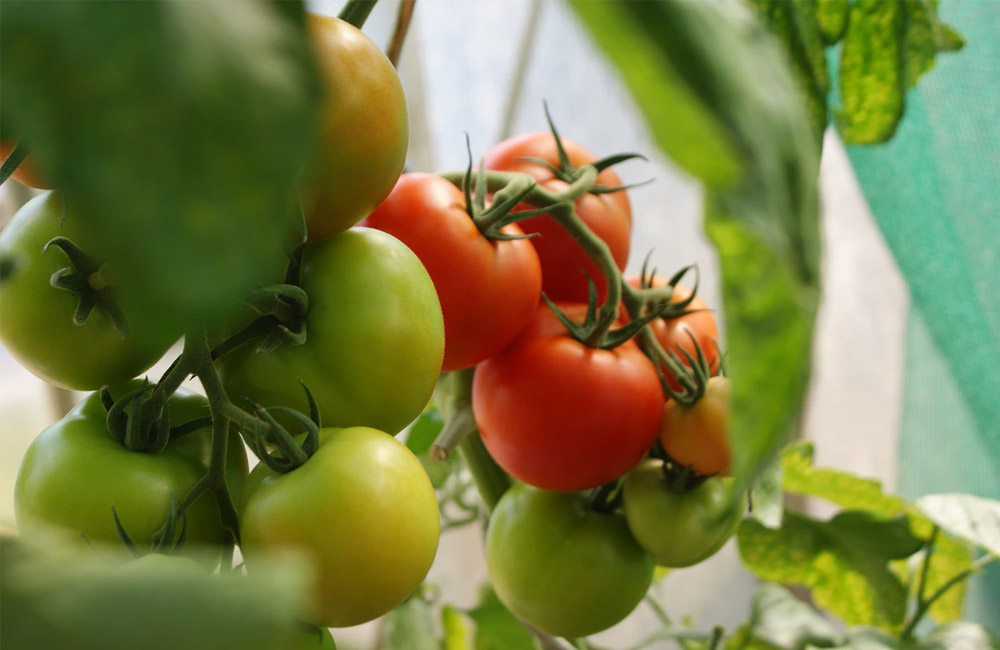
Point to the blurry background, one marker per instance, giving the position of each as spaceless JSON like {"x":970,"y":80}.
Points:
{"x":885,"y":401}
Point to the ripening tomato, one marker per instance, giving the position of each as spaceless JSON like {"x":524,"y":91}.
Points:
{"x":563,"y":567}
{"x":673,"y":333}
{"x":565,"y":266}
{"x":678,"y":528}
{"x":374,"y":337}
{"x":74,"y":471}
{"x":563,"y":416}
{"x":488,"y":289}
{"x":37,"y":325}
{"x":26,"y":173}
{"x":698,"y":435}
{"x":363,"y":128}
{"x":361,"y":510}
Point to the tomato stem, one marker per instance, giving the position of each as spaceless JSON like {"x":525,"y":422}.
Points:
{"x":356,"y":12}
{"x":403,"y":18}
{"x":13,"y":161}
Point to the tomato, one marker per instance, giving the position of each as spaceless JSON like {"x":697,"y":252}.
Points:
{"x":698,"y":435}
{"x":488,"y":289}
{"x":678,"y":528}
{"x":674,"y":333}
{"x":561,"y":566}
{"x":374,"y":341}
{"x":26,"y":173}
{"x":361,"y":510}
{"x":363,"y":129}
{"x":562,"y":416}
{"x":37,"y":326}
{"x":74,"y":471}
{"x":608,"y":215}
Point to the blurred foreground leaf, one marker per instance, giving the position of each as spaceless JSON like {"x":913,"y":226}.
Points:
{"x":177,"y":129}
{"x":56,"y":598}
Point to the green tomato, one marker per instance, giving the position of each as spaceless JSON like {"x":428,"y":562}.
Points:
{"x":561,"y":566}
{"x":74,"y":471}
{"x":678,"y":528}
{"x":37,"y":326}
{"x":361,"y":510}
{"x":374,"y":338}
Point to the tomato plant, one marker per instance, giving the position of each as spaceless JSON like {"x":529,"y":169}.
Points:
{"x":698,"y":435}
{"x":678,"y":528}
{"x":374,"y":343}
{"x":361,"y":510}
{"x":75,"y":471}
{"x":37,"y":327}
{"x":363,"y":128}
{"x":562,"y":416}
{"x":488,"y":289}
{"x":565,"y":267}
{"x":561,"y":566}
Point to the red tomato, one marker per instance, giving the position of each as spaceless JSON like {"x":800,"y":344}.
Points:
{"x":672,"y":333}
{"x":608,"y":215}
{"x":562,"y":416}
{"x":488,"y":289}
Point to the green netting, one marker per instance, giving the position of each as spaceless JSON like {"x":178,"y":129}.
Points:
{"x":935,"y":191}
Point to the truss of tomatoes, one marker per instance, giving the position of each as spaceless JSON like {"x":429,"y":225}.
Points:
{"x":417,"y":288}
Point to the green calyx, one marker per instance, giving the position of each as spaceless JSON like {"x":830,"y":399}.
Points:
{"x":88,"y":280}
{"x":288,"y":454}
{"x":567,"y":173}
{"x":140,"y":422}
{"x":168,"y":540}
{"x":606,"y":498}
{"x":680,"y":478}
{"x":282,"y":308}
{"x":490,"y":221}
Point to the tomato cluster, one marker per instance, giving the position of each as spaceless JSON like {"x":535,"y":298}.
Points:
{"x":600,"y":396}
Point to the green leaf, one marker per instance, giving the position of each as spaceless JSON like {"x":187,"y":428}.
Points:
{"x":496,"y":627}
{"x":919,"y":41}
{"x":682,"y":125}
{"x":708,"y":77}
{"x":872,"y":78}
{"x":742,"y":639}
{"x":844,"y":561}
{"x":456,"y":629}
{"x":177,"y":129}
{"x":424,"y":431}
{"x":63,"y":598}
{"x":841,"y":488}
{"x":831,"y":17}
{"x":409,"y":627}
{"x":963,"y":635}
{"x":795,"y":24}
{"x":766,"y":496}
{"x":779,"y":618}
{"x":950,"y":556}
{"x":968,"y":517}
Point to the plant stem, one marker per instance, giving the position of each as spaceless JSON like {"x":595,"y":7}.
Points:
{"x":491,"y":481}
{"x":460,"y":425}
{"x":13,"y":161}
{"x":356,"y":12}
{"x":520,"y":69}
{"x":925,"y":605}
{"x":403,"y":19}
